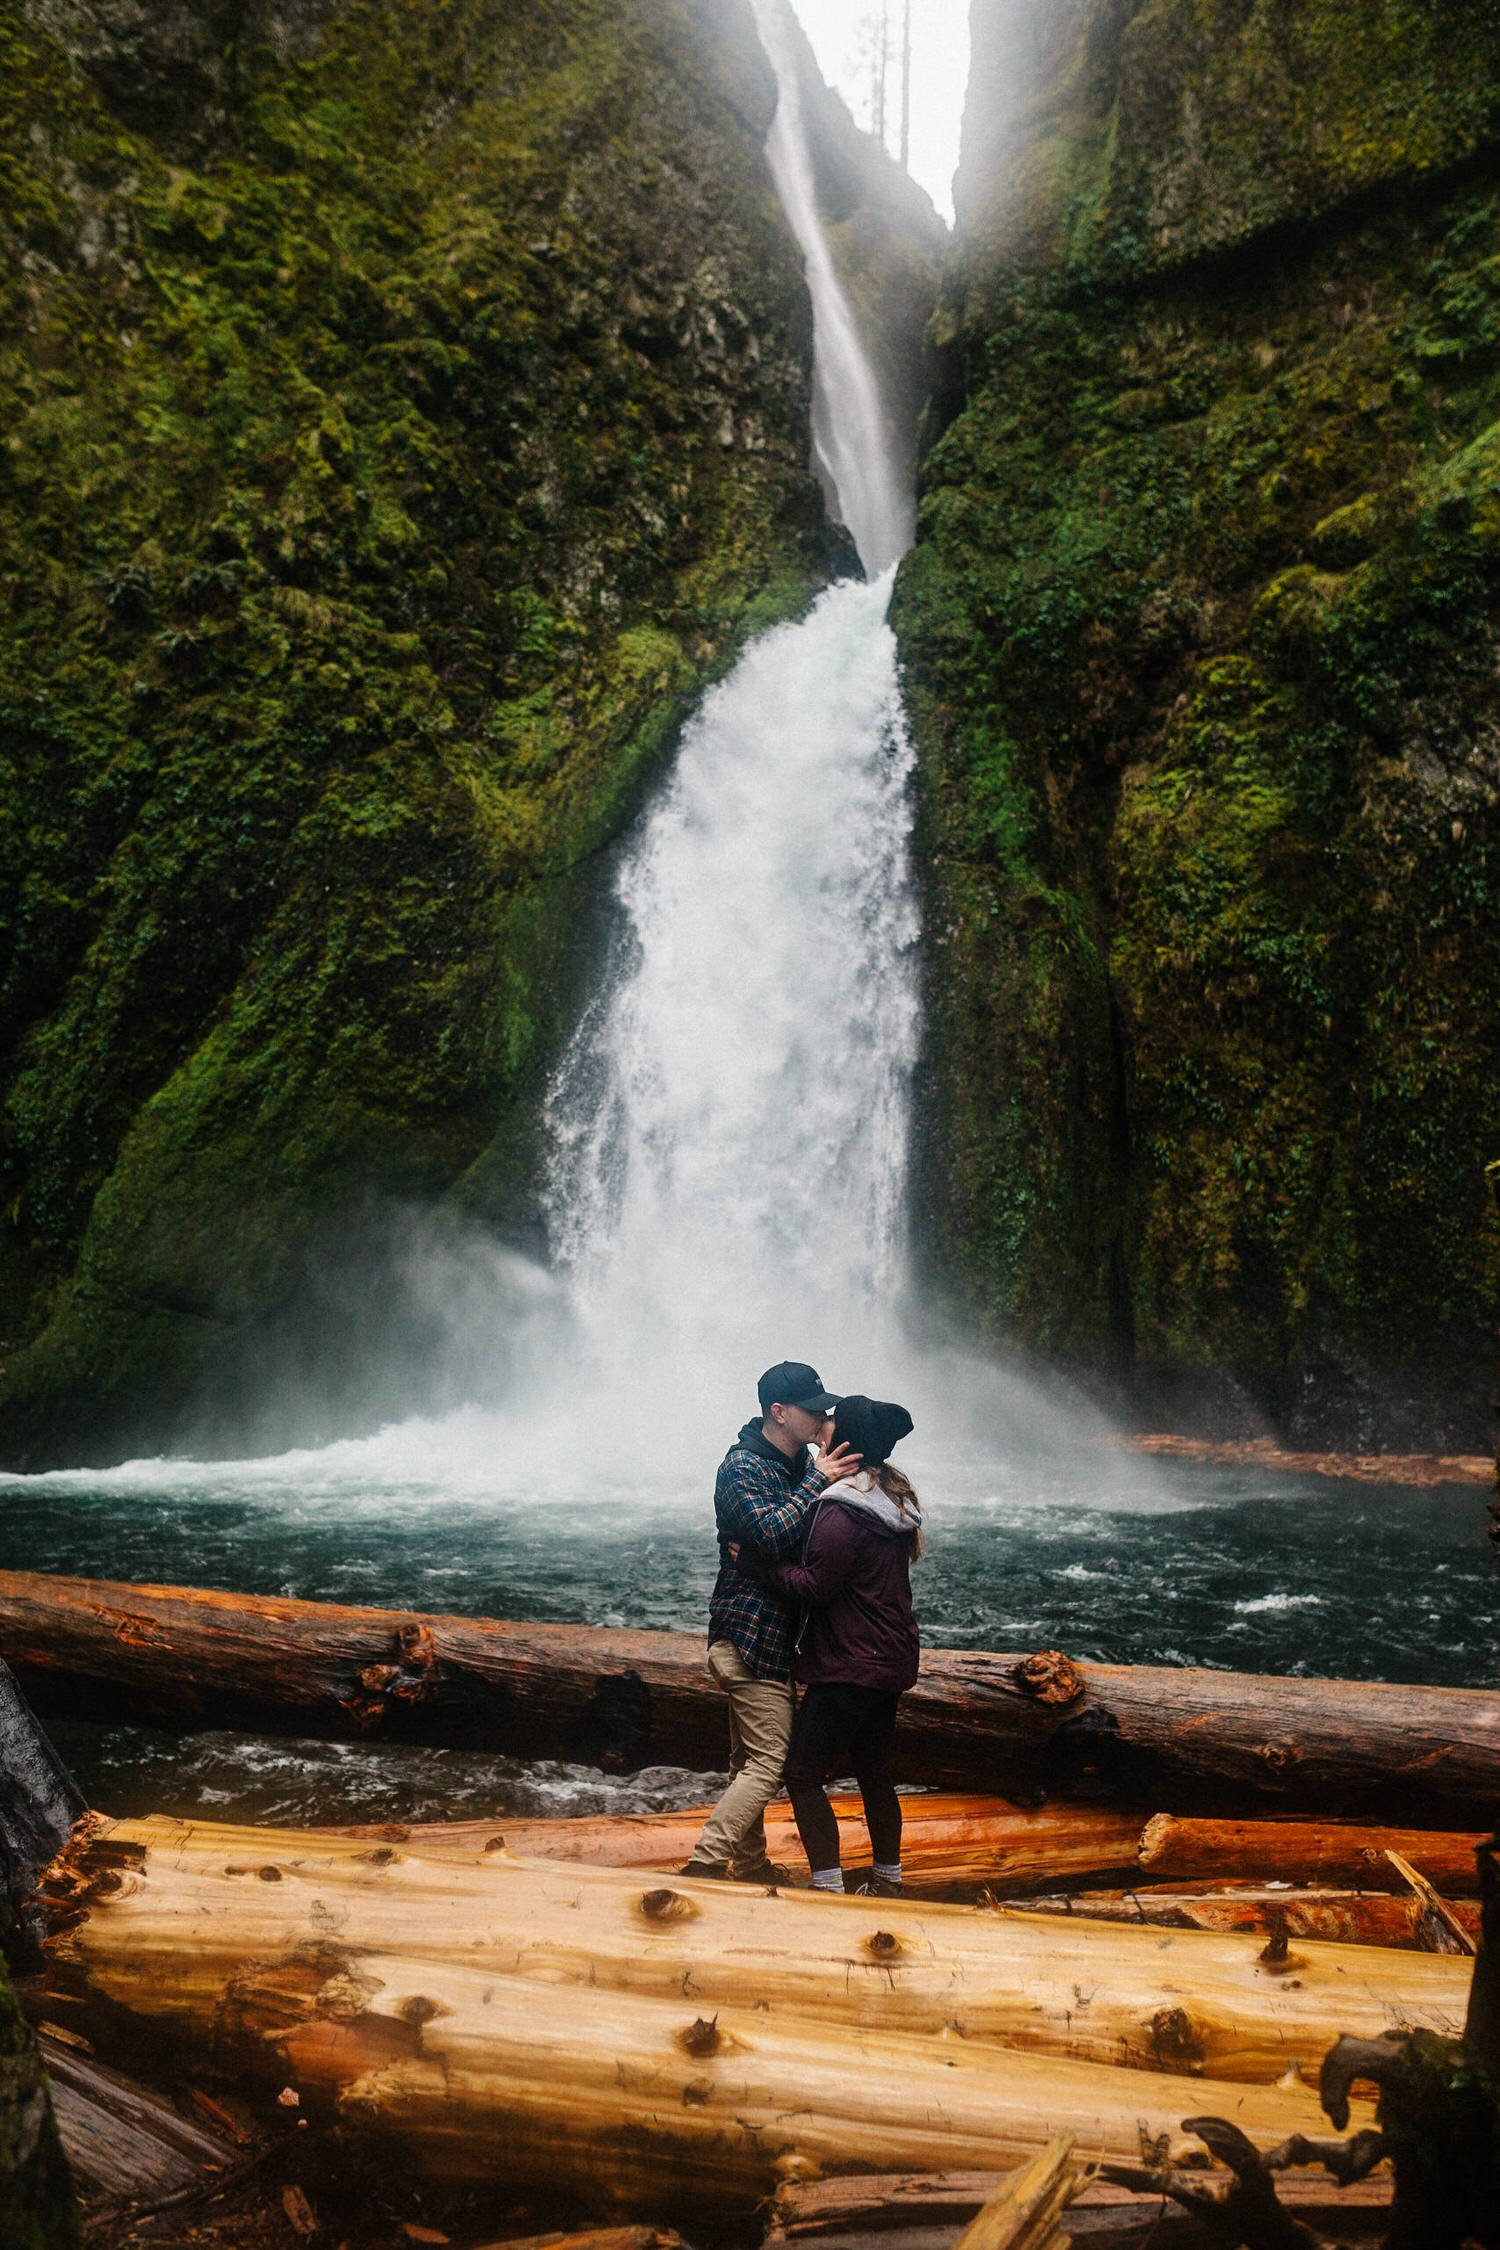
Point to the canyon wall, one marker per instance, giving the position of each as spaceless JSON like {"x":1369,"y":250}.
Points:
{"x":1200,"y":638}
{"x":406,"y":413}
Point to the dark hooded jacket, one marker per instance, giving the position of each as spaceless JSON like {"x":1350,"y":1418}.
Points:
{"x":855,"y":1584}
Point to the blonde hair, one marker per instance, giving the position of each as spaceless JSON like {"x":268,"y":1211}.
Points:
{"x":897,"y":1486}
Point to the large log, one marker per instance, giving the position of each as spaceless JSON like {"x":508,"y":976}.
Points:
{"x":966,"y":1844}
{"x":142,"y":1909}
{"x":1306,"y":1851}
{"x":178,"y":1657}
{"x":949,"y":1843}
{"x":655,"y":2104}
{"x":1340,"y":1917}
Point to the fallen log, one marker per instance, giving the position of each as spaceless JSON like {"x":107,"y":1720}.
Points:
{"x":948,"y":1842}
{"x":650,"y":2104}
{"x":125,"y":2143}
{"x":1306,"y":1851}
{"x":162,"y":1916}
{"x":898,"y":2211}
{"x":1327,"y":1916}
{"x":179,"y":1657}
{"x":964,"y":1844}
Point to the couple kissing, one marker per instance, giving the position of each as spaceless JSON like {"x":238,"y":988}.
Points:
{"x":813,"y":1591}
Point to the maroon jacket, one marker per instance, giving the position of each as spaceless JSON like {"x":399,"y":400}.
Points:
{"x":855,"y":1581}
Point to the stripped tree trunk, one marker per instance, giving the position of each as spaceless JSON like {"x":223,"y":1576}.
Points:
{"x":1306,"y":1851}
{"x":654,"y":2104}
{"x":177,"y":1657}
{"x":163,"y":1916}
{"x":947,"y":1843}
{"x":1328,"y":1916}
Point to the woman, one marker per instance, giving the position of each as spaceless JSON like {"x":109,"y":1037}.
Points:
{"x":856,"y":1653}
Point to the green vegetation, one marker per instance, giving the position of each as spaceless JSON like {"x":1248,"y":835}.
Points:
{"x":1200,"y":636}
{"x":405,"y":413}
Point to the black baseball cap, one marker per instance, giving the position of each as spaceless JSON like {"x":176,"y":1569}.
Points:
{"x":794,"y":1383}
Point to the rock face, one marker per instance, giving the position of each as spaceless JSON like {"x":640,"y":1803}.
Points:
{"x":406,"y":411}
{"x":1200,"y":639}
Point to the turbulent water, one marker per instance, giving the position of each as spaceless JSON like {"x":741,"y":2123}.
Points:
{"x":729,"y":1132}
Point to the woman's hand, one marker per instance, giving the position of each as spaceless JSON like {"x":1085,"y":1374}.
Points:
{"x":836,"y":1464}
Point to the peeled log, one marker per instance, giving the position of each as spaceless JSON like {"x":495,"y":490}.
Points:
{"x":653,"y":2104}
{"x":1306,"y":1851}
{"x":177,"y":1657}
{"x":947,"y":1842}
{"x":1339,"y":1917}
{"x":162,"y":1916}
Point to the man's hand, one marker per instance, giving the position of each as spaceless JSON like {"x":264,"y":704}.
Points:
{"x":839,"y":1462}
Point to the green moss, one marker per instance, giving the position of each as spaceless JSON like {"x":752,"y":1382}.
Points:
{"x":362,"y":541}
{"x":1199,"y":633}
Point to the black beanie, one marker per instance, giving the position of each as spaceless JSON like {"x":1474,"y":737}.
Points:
{"x":871,"y":1426}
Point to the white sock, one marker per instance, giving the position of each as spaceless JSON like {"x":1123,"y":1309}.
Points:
{"x":887,"y":1872}
{"x":828,"y":1879}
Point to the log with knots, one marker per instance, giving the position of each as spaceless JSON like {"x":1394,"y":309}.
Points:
{"x":180,"y":1657}
{"x":490,"y":2012}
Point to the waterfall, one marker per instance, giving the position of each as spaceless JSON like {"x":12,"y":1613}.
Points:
{"x":729,"y":1123}
{"x":849,"y":427}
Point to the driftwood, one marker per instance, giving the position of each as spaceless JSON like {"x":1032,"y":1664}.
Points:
{"x":162,"y":1916}
{"x":1024,"y":2211}
{"x":126,"y":2144}
{"x":1340,"y":1917}
{"x":949,"y":1842}
{"x":920,"y":2211}
{"x":1306,"y":1851}
{"x":182,"y":1658}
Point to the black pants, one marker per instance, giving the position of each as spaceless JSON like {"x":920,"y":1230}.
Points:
{"x":841,"y":1729}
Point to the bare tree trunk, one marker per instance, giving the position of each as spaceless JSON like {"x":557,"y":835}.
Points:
{"x":162,"y":1916}
{"x":179,"y":1657}
{"x":1306,"y":1851}
{"x":948,"y":1843}
{"x":1327,"y":1916}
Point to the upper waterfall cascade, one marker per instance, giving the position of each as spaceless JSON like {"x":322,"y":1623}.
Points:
{"x":850,"y":436}
{"x":730,"y":1121}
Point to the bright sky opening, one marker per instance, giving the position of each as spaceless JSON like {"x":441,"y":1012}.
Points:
{"x":846,"y":37}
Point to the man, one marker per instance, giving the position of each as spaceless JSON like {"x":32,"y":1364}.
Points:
{"x":765,"y":1486}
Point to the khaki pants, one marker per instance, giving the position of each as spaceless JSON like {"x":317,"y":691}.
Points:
{"x":760,"y":1727}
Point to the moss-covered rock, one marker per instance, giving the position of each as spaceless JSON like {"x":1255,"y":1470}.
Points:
{"x":405,"y":412}
{"x":1200,"y":638}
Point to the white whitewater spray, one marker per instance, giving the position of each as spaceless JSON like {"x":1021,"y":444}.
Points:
{"x":730,"y":1122}
{"x":849,"y":426}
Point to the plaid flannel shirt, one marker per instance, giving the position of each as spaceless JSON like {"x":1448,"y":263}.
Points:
{"x":761,"y":1502}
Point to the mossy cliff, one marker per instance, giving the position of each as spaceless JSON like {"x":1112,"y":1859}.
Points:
{"x":406,"y":410}
{"x":1200,"y":636}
